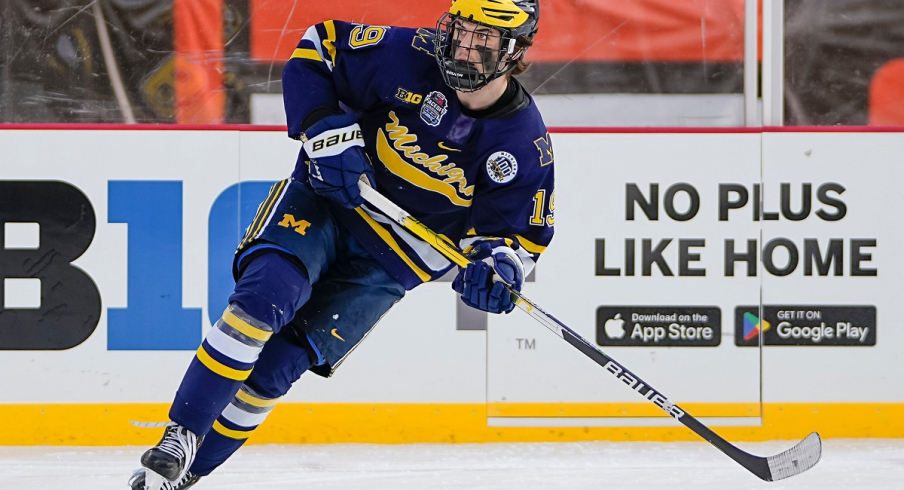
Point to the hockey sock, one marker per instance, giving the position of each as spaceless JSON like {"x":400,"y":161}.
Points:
{"x":281,"y":363}
{"x":222,"y":363}
{"x":266,"y":297}
{"x":231,"y":429}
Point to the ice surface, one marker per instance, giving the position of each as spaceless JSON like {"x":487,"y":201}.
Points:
{"x":847,"y":464}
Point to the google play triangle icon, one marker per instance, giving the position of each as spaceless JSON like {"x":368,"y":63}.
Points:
{"x":753,"y":326}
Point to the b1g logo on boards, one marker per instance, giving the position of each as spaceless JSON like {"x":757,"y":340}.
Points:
{"x":44,"y":227}
{"x":805,"y":325}
{"x":659,"y":326}
{"x":47,"y":303}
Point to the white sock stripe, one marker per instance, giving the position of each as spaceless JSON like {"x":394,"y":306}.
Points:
{"x":231,"y":347}
{"x":242,"y":418}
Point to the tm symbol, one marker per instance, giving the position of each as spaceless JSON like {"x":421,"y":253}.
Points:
{"x":527,"y":344}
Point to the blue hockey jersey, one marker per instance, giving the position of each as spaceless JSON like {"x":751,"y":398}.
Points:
{"x":466,"y":178}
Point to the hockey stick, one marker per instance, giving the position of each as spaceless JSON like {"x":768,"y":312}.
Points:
{"x":803,"y":456}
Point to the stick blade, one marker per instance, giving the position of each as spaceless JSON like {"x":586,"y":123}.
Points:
{"x":149,"y":425}
{"x":796,"y":460}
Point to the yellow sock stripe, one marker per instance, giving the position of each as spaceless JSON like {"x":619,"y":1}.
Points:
{"x":232,"y":434}
{"x":219,"y":368}
{"x":255,"y":401}
{"x":246,"y":328}
{"x":264,"y":211}
{"x":307,"y":53}
{"x":393,"y":244}
{"x":330,"y":39}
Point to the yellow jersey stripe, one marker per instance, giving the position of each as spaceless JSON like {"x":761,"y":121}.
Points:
{"x":255,"y":401}
{"x":271,"y":200}
{"x":530,"y":246}
{"x":306,"y":53}
{"x":230,"y":433}
{"x":330,"y":39}
{"x":219,"y":368}
{"x":246,"y":328}
{"x":263,"y":211}
{"x":255,"y":223}
{"x":393,"y":244}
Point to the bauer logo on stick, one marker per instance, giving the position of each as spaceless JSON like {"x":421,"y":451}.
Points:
{"x":502,"y":167}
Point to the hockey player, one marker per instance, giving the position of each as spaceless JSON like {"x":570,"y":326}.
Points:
{"x":432,"y":119}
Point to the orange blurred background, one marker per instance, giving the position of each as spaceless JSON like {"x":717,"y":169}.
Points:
{"x":570,"y":30}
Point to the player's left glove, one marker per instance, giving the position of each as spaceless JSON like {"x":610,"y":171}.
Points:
{"x":335,"y":147}
{"x":482,"y":284}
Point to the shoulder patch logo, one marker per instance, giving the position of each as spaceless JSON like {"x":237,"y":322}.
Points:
{"x":502,"y":167}
{"x":435,"y":107}
{"x":408,"y":96}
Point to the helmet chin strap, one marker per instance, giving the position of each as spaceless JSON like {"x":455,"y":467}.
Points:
{"x":464,"y":77}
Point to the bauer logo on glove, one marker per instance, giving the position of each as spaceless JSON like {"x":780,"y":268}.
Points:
{"x":328,"y":141}
{"x":335,"y":147}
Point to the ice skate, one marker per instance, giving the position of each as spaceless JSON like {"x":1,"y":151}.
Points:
{"x":165,"y":466}
{"x":137,"y":482}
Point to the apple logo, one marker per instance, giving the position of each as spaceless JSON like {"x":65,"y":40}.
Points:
{"x":615,"y":327}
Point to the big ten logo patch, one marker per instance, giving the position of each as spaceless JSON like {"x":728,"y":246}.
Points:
{"x":408,"y":96}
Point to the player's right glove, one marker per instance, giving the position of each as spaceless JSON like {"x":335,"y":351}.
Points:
{"x":335,"y":147}
{"x":482,"y":284}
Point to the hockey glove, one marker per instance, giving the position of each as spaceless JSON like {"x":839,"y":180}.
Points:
{"x":482,"y":284}
{"x":335,"y":147}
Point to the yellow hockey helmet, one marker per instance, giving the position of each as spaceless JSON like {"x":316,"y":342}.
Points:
{"x":469,"y":58}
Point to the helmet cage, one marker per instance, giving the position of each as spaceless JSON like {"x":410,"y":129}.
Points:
{"x":468,"y":76}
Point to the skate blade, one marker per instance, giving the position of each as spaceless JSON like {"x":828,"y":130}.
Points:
{"x":152,"y":480}
{"x":149,"y":425}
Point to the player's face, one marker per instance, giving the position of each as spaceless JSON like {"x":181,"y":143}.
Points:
{"x":476,"y":45}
